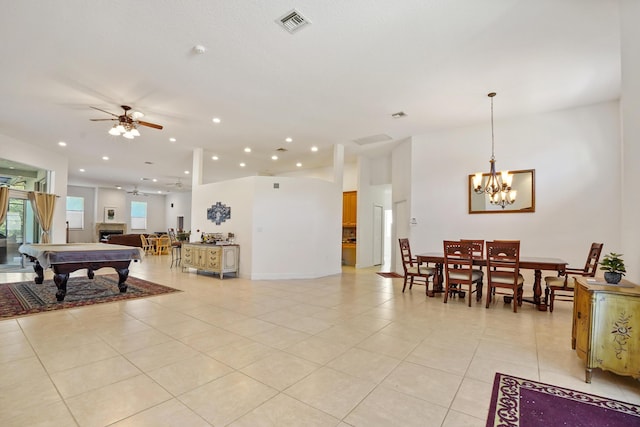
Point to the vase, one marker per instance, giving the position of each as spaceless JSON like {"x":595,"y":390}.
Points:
{"x":612,"y":278}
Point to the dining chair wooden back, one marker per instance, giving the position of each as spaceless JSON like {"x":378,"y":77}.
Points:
{"x":503,"y":270}
{"x":147,"y":246}
{"x":459,"y":271}
{"x":563,"y":285}
{"x":413,"y":270}
{"x":163,"y":243}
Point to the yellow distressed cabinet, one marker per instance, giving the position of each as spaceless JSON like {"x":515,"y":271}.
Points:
{"x":217,"y":259}
{"x":606,"y":326}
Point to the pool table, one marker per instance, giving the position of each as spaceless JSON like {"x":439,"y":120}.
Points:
{"x":64,"y":259}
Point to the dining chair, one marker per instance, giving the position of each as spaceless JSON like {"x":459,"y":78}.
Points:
{"x":412,"y":269}
{"x":564,"y":284}
{"x":176,"y":248}
{"x":163,"y":243}
{"x":478,"y":253}
{"x":147,"y":246}
{"x":503,"y":270}
{"x":458,"y":267}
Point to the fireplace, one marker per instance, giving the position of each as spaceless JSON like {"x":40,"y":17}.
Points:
{"x":103,"y":229}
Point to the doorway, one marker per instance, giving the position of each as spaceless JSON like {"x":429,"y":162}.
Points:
{"x":19,"y":227}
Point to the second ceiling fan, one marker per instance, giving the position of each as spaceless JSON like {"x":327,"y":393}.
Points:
{"x":127,"y":125}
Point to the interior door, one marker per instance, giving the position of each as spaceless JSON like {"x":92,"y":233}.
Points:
{"x":378,"y":233}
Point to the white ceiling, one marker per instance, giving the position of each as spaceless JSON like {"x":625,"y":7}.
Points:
{"x":334,"y":81}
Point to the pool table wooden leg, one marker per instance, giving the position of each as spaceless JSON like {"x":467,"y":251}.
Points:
{"x":123,"y":273}
{"x":60,"y":279}
{"x":39,"y":272}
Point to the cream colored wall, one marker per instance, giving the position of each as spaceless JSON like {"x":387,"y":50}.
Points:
{"x":630,"y":106}
{"x":576,"y":156}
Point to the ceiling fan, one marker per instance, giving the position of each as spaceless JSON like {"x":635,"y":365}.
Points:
{"x":136,"y":192}
{"x":127,"y":125}
{"x":178,"y":184}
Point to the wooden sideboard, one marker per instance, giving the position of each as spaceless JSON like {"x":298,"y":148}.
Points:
{"x":218,"y":259}
{"x":606,"y":326}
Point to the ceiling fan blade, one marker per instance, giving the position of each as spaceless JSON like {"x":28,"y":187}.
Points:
{"x":104,"y":111}
{"x":101,"y":120}
{"x":151,"y":125}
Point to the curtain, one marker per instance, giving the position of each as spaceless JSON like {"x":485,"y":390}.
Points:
{"x":43,"y":206}
{"x":4,"y":203}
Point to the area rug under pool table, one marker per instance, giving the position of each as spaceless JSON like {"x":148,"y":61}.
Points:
{"x":20,"y":298}
{"x":517,"y":402}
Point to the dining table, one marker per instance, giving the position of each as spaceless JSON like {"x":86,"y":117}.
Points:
{"x":538,"y":264}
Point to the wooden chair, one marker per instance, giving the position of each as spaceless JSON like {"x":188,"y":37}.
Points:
{"x":478,"y":253}
{"x":147,"y":246}
{"x":163,"y":243}
{"x":412,"y":269}
{"x":503,"y":270}
{"x":176,"y":248}
{"x":564,"y":285}
{"x":459,"y":271}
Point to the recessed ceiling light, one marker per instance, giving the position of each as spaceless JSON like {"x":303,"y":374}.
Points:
{"x":81,"y":170}
{"x":214,"y":157}
{"x":172,"y":139}
{"x":62,"y":144}
{"x":118,"y":187}
{"x":216,"y":120}
{"x":247,"y":150}
{"x":186,"y":172}
{"x":299,"y":164}
{"x":289,"y":139}
{"x":242,"y":165}
{"x":314,"y":148}
{"x":274,"y":157}
{"x":159,"y":192}
{"x":11,"y":167}
{"x":105,"y":157}
{"x":199,"y":49}
{"x":155,"y":180}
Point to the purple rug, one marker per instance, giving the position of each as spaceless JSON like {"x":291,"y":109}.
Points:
{"x":516,"y":402}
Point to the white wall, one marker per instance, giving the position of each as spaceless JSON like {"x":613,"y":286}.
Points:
{"x":178,"y":204}
{"x":290,"y":232}
{"x":576,"y":157}
{"x":121,"y":200}
{"x":88,"y":234}
{"x":350,"y":175}
{"x":630,"y":101}
{"x":23,"y":152}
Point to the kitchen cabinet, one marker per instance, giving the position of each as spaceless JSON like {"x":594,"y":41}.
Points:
{"x":218,"y":259}
{"x":349,"y":208}
{"x":606,"y":326}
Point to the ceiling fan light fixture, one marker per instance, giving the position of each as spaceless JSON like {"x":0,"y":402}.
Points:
{"x":135,"y":132}
{"x":128,"y":135}
{"x":120,"y":128}
{"x":114,"y":131}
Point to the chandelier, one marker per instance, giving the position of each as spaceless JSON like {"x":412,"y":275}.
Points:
{"x":498,"y":186}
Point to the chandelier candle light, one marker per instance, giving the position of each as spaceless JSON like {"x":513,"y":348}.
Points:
{"x":498,"y":187}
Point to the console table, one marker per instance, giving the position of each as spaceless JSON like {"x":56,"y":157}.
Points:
{"x":218,"y":259}
{"x":606,"y":326}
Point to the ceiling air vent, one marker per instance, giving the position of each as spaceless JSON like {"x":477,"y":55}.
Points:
{"x":292,"y":21}
{"x":382,"y":137}
{"x":281,"y":150}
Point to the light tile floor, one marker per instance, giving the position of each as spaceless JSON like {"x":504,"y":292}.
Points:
{"x":344,"y":350}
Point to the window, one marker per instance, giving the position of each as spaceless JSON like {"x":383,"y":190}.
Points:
{"x":138,"y":215}
{"x":75,"y":212}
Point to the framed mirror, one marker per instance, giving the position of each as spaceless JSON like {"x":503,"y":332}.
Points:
{"x":525,"y":201}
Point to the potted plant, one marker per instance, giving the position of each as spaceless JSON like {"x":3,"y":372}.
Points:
{"x":613,"y":265}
